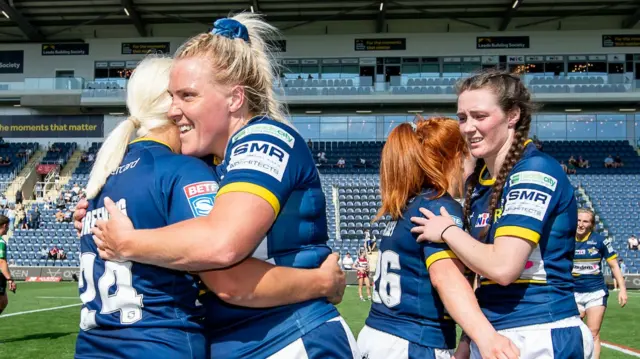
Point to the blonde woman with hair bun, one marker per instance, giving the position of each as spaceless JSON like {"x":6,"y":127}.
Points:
{"x":270,"y":204}
{"x":133,"y":309}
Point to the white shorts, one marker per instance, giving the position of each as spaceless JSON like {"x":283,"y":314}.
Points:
{"x":591,"y":299}
{"x":375,"y":344}
{"x":568,"y":338}
{"x":333,"y":339}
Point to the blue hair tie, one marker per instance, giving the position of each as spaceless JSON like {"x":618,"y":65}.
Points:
{"x":231,"y":29}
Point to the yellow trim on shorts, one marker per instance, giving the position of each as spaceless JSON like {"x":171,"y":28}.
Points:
{"x":613,"y":257}
{"x":520,"y":232}
{"x":517,"y":281}
{"x":252,"y":188}
{"x":447,"y":254}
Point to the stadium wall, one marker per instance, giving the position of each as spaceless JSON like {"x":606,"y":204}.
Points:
{"x":37,"y":65}
{"x":109,"y":123}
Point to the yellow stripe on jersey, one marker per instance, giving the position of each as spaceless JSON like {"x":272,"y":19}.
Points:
{"x":438,"y":256}
{"x":520,"y":232}
{"x":594,"y":260}
{"x":147,"y":139}
{"x":612,"y":257}
{"x":517,"y":281}
{"x":252,"y":188}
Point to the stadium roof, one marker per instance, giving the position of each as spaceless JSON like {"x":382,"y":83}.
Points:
{"x":40,"y":20}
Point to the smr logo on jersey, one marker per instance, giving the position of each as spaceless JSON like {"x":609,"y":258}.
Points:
{"x":527,"y":202}
{"x":260,"y":156}
{"x":201,"y":196}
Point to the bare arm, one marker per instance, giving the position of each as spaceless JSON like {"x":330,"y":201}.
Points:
{"x":502,"y":262}
{"x":231,"y":231}
{"x":458,"y":298}
{"x":617,"y":274}
{"x":257,"y":284}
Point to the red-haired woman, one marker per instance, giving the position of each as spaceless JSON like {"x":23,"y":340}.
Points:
{"x":419,"y":288}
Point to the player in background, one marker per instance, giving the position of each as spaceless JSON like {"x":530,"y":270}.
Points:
{"x":521,"y":212}
{"x":5,"y":273}
{"x":270,"y":204}
{"x":134,"y":310}
{"x":591,"y":292}
{"x":419,"y":287}
{"x":362,"y":268}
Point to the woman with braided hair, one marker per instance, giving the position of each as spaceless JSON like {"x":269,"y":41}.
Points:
{"x":521,"y":215}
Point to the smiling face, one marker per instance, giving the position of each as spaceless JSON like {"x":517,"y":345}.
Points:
{"x":200,"y":108}
{"x":487,"y":129}
{"x":585,"y":224}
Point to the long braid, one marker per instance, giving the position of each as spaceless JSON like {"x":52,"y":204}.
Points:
{"x":472,"y":182}
{"x":513,"y":156}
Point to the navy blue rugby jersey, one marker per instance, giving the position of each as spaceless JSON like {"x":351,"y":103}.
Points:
{"x":587,"y":262}
{"x":538,"y":205}
{"x":272,"y":160}
{"x":405,"y":303}
{"x":138,"y":303}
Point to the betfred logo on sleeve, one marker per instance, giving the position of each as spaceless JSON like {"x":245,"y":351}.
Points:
{"x":200,"y":196}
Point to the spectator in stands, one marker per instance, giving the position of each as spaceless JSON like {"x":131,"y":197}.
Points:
{"x":35,"y":219}
{"x":60,"y":203}
{"x":59,"y":216}
{"x":11,"y":214}
{"x":572,"y":161}
{"x":347,"y":262}
{"x":582,"y":163}
{"x":309,"y":144}
{"x":369,"y":242}
{"x":91,"y":157}
{"x":341,"y":162}
{"x":26,"y":224}
{"x":322,"y":157}
{"x":84,"y":157}
{"x":3,"y":200}
{"x":633,"y":242}
{"x":67,"y":196}
{"x":61,"y":254}
{"x":68,"y":215}
{"x":75,"y":188}
{"x":20,"y":216}
{"x":608,"y":162}
{"x":19,"y":197}
{"x":571,"y":169}
{"x":362,"y":163}
{"x":564,"y":166}
{"x":53,"y":253}
{"x":617,"y":161}
{"x":44,"y":253}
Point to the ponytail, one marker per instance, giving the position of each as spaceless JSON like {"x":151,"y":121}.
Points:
{"x":148,"y":102}
{"x":239,"y":54}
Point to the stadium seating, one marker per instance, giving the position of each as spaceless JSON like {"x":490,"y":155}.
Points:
{"x":351,"y":152}
{"x":353,"y":199}
{"x":25,"y":245}
{"x":595,"y":152}
{"x":60,"y":157}
{"x":615,"y":198}
{"x":19,"y":154}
